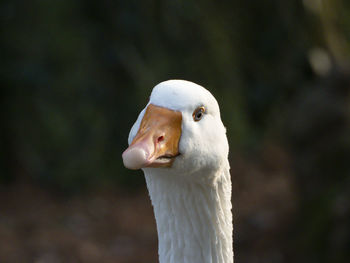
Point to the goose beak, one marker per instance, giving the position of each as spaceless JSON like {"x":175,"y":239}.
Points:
{"x":156,"y":143}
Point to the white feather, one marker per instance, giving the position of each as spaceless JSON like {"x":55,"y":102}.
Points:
{"x":192,"y":199}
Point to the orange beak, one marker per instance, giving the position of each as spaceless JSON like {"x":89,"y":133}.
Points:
{"x":156,"y":143}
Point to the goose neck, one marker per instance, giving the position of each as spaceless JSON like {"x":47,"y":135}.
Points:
{"x":194,"y":219}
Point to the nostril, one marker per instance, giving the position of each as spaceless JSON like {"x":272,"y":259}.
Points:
{"x":160,"y":138}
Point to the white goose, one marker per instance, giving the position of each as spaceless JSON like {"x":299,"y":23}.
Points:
{"x":180,"y":143}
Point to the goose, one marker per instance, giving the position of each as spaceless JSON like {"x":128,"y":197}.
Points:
{"x":180,"y":143}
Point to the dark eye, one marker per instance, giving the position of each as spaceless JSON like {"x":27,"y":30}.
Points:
{"x":198,"y":113}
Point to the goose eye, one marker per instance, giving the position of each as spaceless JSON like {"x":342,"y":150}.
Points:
{"x":198,"y":113}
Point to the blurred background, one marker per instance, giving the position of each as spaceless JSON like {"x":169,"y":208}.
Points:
{"x":75,"y":74}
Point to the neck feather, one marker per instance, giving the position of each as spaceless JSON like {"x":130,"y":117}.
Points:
{"x":194,"y":219}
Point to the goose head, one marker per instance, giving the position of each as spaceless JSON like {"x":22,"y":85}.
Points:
{"x":179,"y":132}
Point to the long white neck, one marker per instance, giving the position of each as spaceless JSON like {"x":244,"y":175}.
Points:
{"x":194,"y":219}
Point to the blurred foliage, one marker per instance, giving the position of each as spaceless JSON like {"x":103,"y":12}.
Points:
{"x":75,"y":74}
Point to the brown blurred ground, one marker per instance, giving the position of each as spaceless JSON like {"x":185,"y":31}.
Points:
{"x":36,"y":226}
